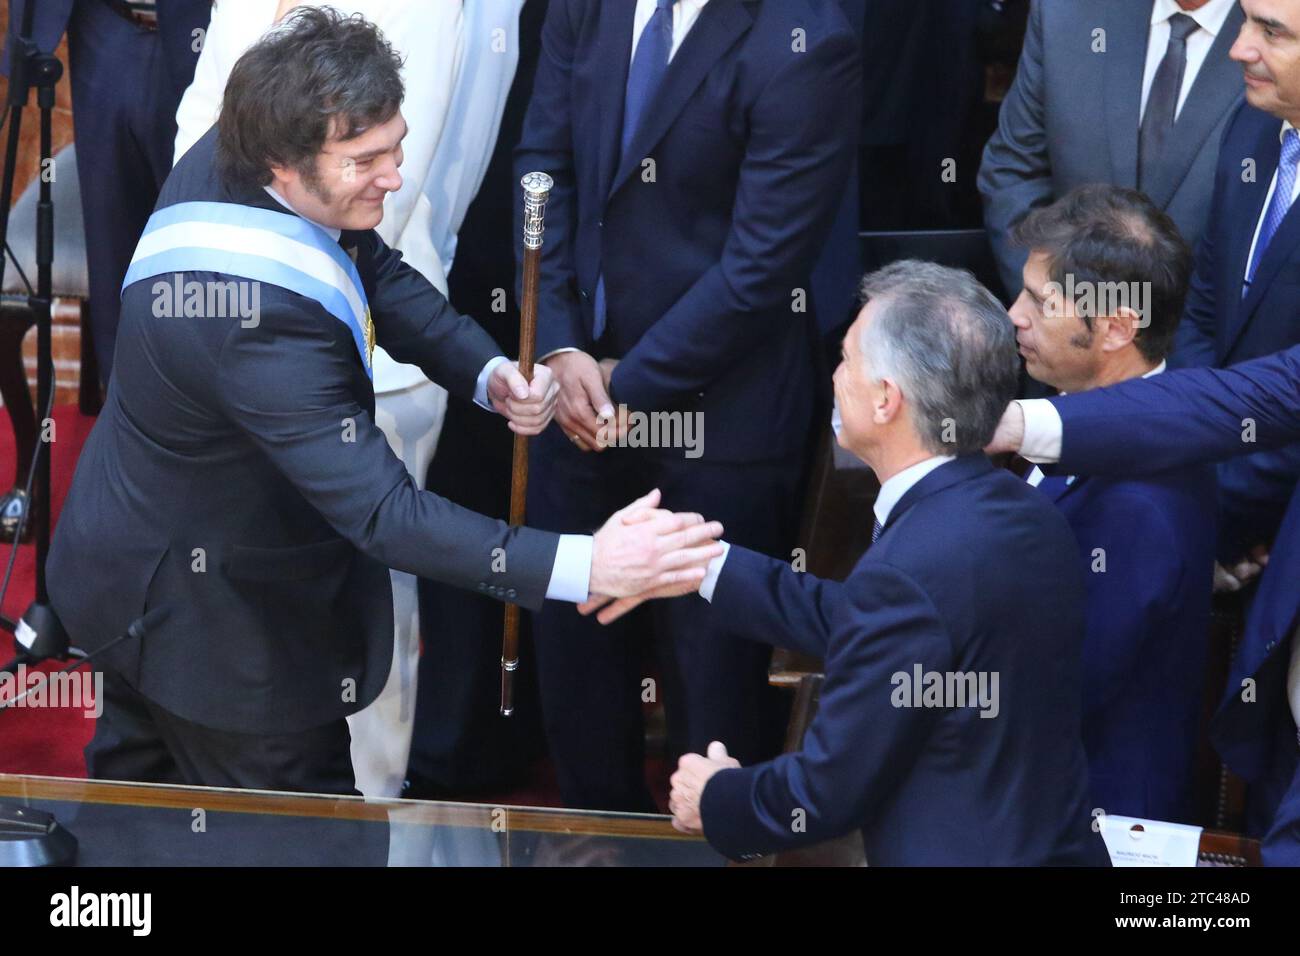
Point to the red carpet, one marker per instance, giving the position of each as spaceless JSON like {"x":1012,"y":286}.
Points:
{"x":48,"y":740}
{"x":44,"y":740}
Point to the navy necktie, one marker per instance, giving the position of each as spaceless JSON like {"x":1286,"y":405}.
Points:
{"x":649,"y":64}
{"x":876,"y":528}
{"x":1162,"y":99}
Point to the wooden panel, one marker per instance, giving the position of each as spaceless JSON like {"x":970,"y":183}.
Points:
{"x":16,"y":786}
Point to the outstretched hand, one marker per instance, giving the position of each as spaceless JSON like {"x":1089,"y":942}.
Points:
{"x":644,"y":551}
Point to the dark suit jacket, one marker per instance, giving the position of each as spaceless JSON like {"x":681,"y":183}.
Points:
{"x":1183,"y":418}
{"x":1147,"y":546}
{"x":1219,"y":327}
{"x":974,"y":572}
{"x":1071,"y":117}
{"x":752,"y":144}
{"x":177,"y":21}
{"x":220,"y":483}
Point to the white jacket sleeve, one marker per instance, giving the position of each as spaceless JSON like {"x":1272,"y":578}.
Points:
{"x":235,"y":26}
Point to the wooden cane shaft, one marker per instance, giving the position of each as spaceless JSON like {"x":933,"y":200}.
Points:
{"x":519,"y":467}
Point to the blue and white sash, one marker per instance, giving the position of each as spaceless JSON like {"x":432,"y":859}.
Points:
{"x":261,"y":245}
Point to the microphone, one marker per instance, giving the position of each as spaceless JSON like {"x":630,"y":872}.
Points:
{"x":135,"y":631}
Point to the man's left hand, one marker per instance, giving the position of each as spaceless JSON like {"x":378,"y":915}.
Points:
{"x":529,"y":408}
{"x":693,"y":773}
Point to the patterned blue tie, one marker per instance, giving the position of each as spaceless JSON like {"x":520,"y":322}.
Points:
{"x":1278,"y":206}
{"x":876,"y":528}
{"x":645,"y":76}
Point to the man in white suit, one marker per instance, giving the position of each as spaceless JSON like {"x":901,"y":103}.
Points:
{"x":455,"y":95}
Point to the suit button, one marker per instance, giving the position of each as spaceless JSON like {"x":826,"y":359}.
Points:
{"x":511,"y":593}
{"x":1271,"y":645}
{"x":601,"y":224}
{"x":584,"y":294}
{"x":482,"y":586}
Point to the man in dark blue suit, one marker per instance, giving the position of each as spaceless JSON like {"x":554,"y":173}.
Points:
{"x":948,"y":728}
{"x":1146,"y":543}
{"x":699,"y":150}
{"x":130,"y":64}
{"x":1241,"y":304}
{"x":1172,"y":421}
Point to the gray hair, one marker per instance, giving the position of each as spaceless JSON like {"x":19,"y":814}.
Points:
{"x":951,"y":347}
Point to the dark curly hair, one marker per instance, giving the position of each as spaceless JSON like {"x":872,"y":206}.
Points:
{"x":317,"y":73}
{"x":1101,"y":233}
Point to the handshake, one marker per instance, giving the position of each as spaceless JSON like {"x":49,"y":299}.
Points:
{"x":644,"y":552}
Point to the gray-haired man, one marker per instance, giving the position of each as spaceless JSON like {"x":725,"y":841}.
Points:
{"x":948,"y":729}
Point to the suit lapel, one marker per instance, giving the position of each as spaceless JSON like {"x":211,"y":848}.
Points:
{"x":1128,"y":24}
{"x":721,"y":24}
{"x":1268,"y":149}
{"x":945,"y":476}
{"x":613,"y":47}
{"x":1217,"y":87}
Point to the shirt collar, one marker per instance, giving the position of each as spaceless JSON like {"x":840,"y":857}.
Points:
{"x":897,"y":486}
{"x":330,"y":230}
{"x":1281,"y":134}
{"x":1210,"y":17}
{"x":1157,"y":370}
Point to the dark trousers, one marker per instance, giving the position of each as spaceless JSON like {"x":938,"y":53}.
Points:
{"x":124,"y":104}
{"x":593,"y":679}
{"x":135,"y":739}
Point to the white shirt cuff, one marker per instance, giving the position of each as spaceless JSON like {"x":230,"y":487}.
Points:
{"x":481,"y":386}
{"x":1043,"y":428}
{"x":571,"y":574}
{"x":713,"y":572}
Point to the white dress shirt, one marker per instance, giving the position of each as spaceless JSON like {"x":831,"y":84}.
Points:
{"x":685,"y":13}
{"x":891,"y":492}
{"x":1036,"y":476}
{"x":1210,"y":18}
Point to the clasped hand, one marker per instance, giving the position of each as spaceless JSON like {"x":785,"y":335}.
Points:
{"x":585,"y":411}
{"x":529,"y":408}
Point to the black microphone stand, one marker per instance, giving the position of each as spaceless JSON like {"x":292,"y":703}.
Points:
{"x":38,"y":632}
{"x":29,"y":836}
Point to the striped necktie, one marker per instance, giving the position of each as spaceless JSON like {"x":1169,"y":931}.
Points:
{"x":1278,"y":205}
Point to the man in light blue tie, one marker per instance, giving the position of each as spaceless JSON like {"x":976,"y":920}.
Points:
{"x":700,"y":150}
{"x":1241,"y":303}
